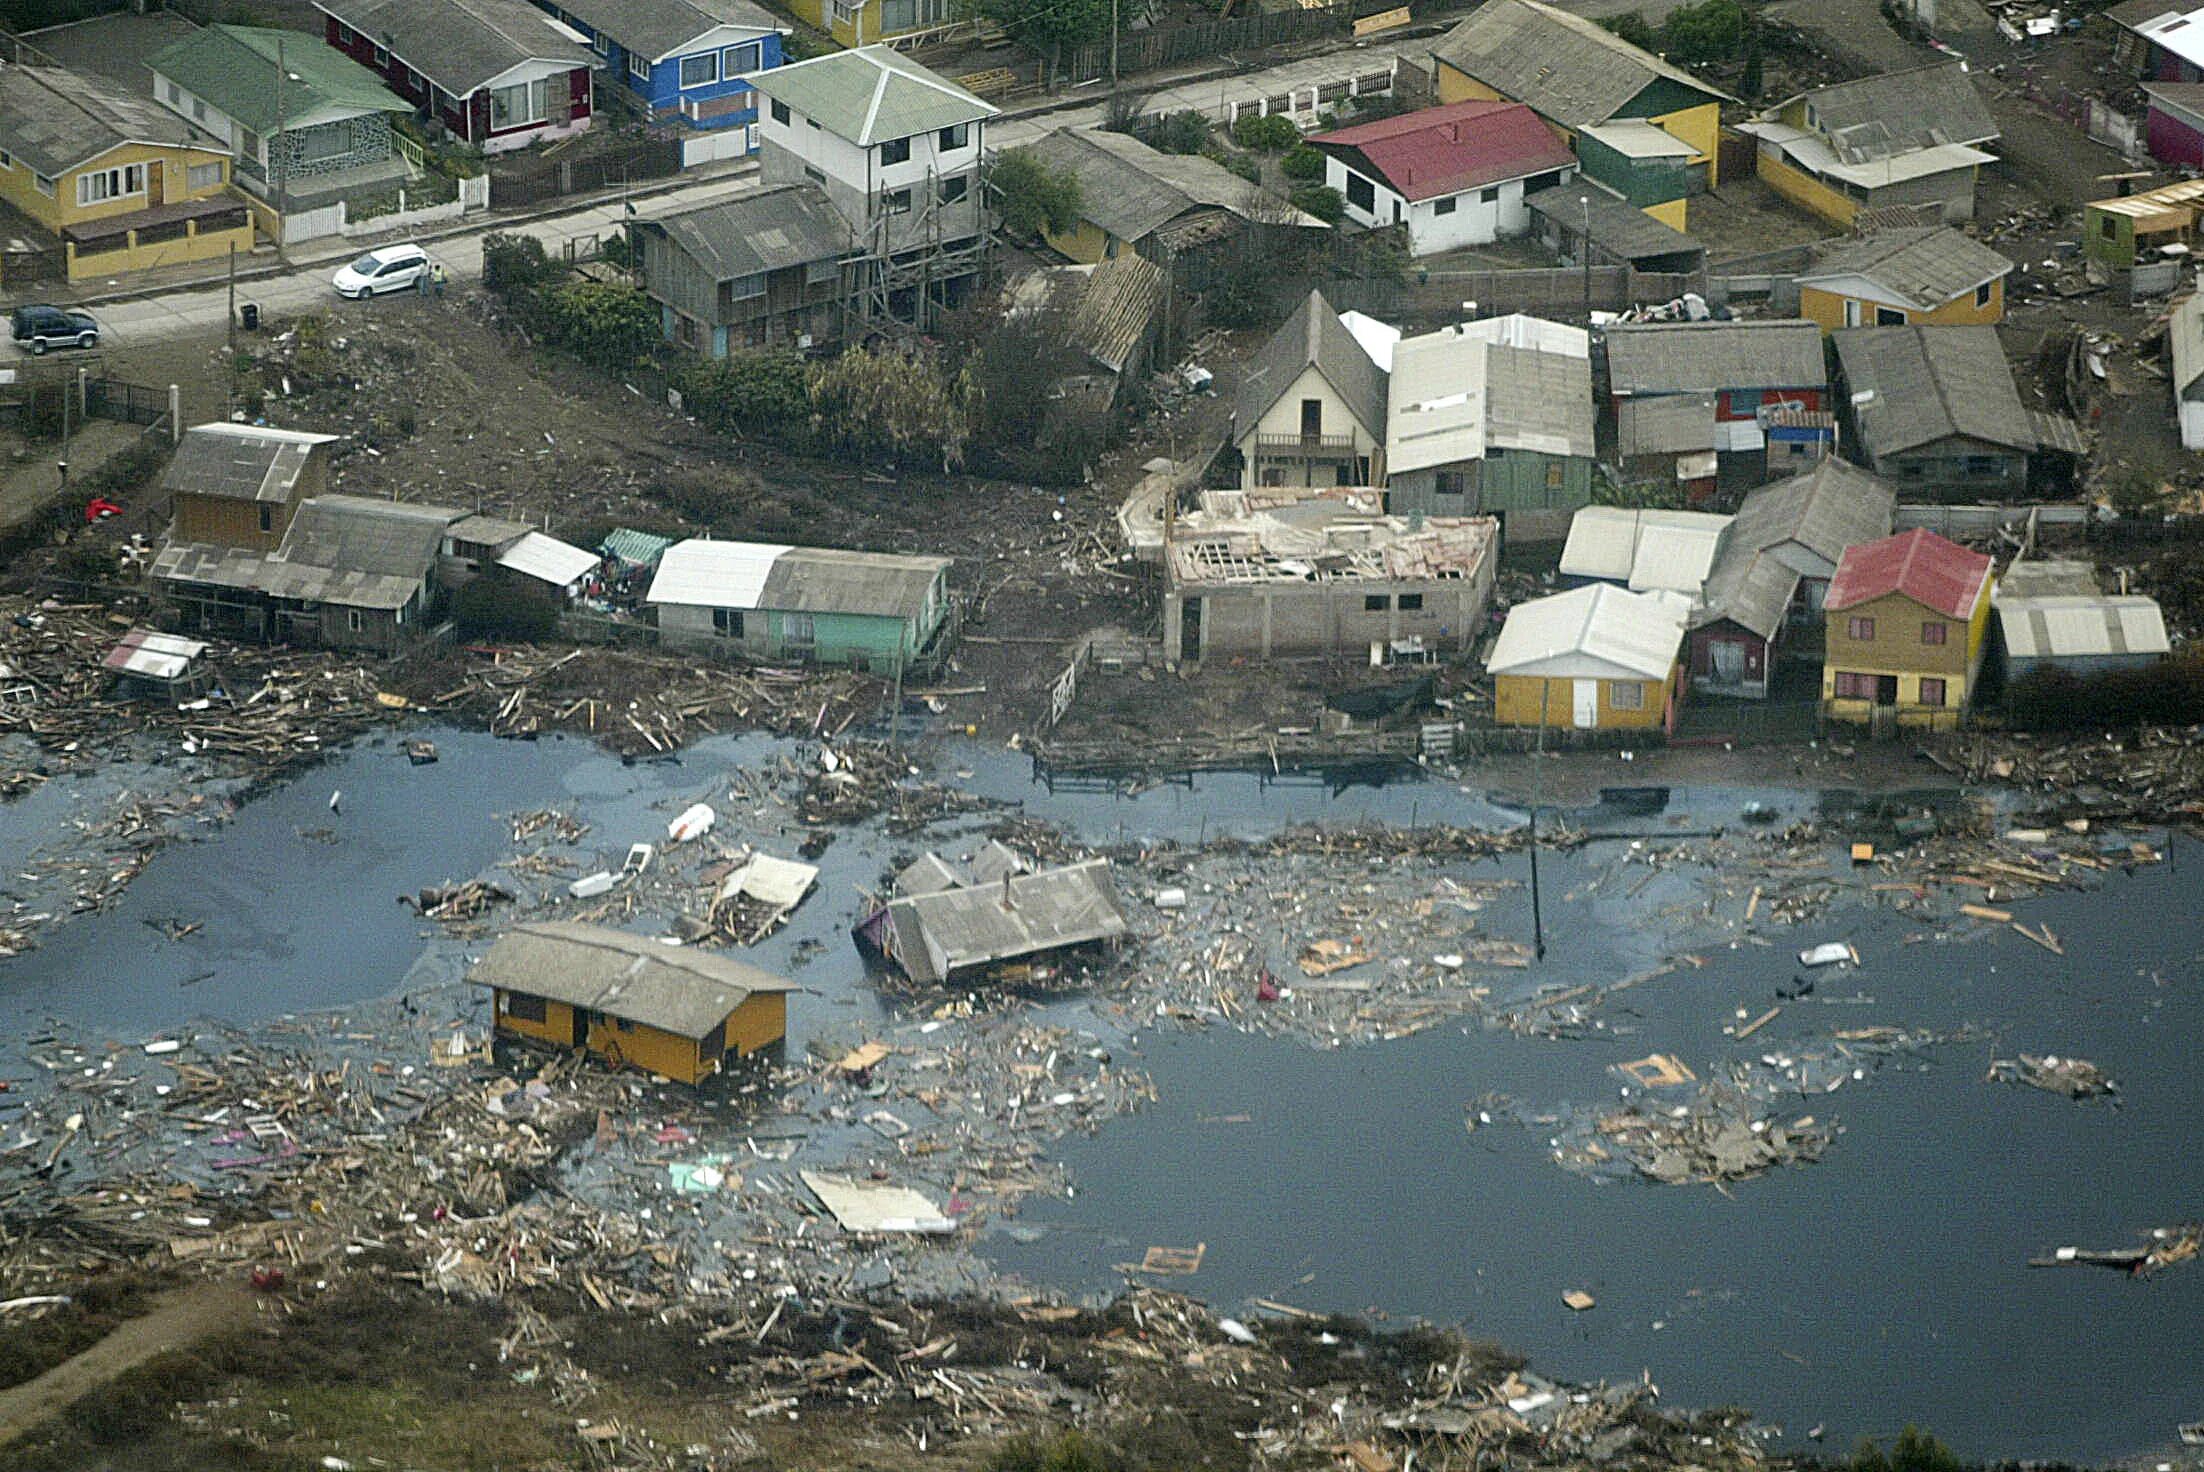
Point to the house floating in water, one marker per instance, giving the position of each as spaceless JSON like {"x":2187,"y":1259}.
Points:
{"x":948,"y":920}
{"x":631,"y":1000}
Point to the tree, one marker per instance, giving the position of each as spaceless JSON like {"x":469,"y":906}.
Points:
{"x":900,"y":405}
{"x":607,"y":323}
{"x":1031,"y":197}
{"x":1631,"y":27}
{"x":1914,"y":1451}
{"x":1048,"y":26}
{"x":1185,"y":131}
{"x":1713,"y":30}
{"x":1320,"y":200}
{"x":765,"y":393}
{"x":1267,"y":133}
{"x":1304,"y":163}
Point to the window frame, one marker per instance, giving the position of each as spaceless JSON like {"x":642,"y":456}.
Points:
{"x":894,"y":151}
{"x":954,"y":188}
{"x":1446,"y":206}
{"x":727,"y":622}
{"x":639,"y":66}
{"x":1943,"y":691}
{"x":1982,"y":292}
{"x":700,"y":58}
{"x":1361,"y":193}
{"x":778,"y":111}
{"x":1935,"y":631}
{"x":1618,"y":700}
{"x":1409,"y":603}
{"x":118,"y":177}
{"x":953,"y":137}
{"x":731,"y":67}
{"x":895,"y":201}
{"x":194,"y":183}
{"x":1859,"y":629}
{"x":1377,"y":603}
{"x":521,"y":1007}
{"x":539,"y":102}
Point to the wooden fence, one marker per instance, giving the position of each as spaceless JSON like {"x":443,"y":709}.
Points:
{"x":539,"y":179}
{"x":1141,"y":51}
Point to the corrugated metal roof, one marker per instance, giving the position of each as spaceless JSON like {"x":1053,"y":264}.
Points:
{"x":240,"y":462}
{"x":767,"y":230}
{"x":461,"y":44}
{"x":1646,"y":549}
{"x":1707,"y":357}
{"x":234,"y":68}
{"x":703,"y":573}
{"x":829,"y":580}
{"x":1940,"y":575}
{"x":1541,"y":401}
{"x":1568,"y":67}
{"x":1823,"y":511}
{"x":153,"y":654}
{"x":935,"y":935}
{"x":656,"y":29}
{"x":1116,"y":309}
{"x":1639,"y":138}
{"x":1664,"y":424}
{"x":1618,"y":227}
{"x":1928,"y":384}
{"x":1596,"y":632}
{"x":54,"y":120}
{"x":1436,"y":403}
{"x":637,"y":549}
{"x":2073,"y":627}
{"x":343,"y":550}
{"x":1817,"y":155}
{"x":1313,"y":335}
{"x":1922,"y":268}
{"x":632,"y":977}
{"x":1461,"y":391}
{"x":1520,"y":330}
{"x":871,"y":95}
{"x":547,"y":559}
{"x":1437,"y":151}
{"x":2176,"y":32}
{"x":1878,"y":117}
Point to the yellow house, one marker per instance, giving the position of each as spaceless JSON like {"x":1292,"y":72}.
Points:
{"x":125,"y":183}
{"x":1599,"y":657}
{"x":1908,"y":616}
{"x":1934,"y":276}
{"x":1911,"y":138}
{"x":856,"y":23}
{"x":1612,"y":100}
{"x":631,"y":1000}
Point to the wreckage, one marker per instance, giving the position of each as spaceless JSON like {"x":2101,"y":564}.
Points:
{"x":945,"y":920}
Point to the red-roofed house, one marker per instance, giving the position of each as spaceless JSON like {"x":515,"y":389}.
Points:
{"x":1454,"y":175}
{"x":1907,"y":618}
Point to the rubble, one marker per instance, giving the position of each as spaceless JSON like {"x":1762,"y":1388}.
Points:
{"x":2164,"y":1247}
{"x":2076,"y":1078}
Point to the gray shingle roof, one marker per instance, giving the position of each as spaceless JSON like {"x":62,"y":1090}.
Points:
{"x":1665,"y":424}
{"x":54,"y":120}
{"x":1540,"y":401}
{"x":830,"y":580}
{"x":1875,"y":117}
{"x":240,"y":462}
{"x":1930,"y":383}
{"x":656,"y":29}
{"x":460,"y":44}
{"x":675,"y":989}
{"x":1706,"y":357}
{"x":1827,"y":509}
{"x":1313,"y":335}
{"x":1564,"y":66}
{"x":1116,"y":309}
{"x":1925,"y":268}
{"x":871,"y":95}
{"x":1130,"y":189}
{"x":1618,"y":227}
{"x":345,"y":550}
{"x":765,"y":231}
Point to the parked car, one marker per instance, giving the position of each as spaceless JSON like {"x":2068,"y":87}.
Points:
{"x":38,"y":328}
{"x":387,"y":268}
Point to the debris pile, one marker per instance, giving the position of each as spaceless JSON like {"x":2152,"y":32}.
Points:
{"x":2076,"y":1078}
{"x":1720,"y":1135}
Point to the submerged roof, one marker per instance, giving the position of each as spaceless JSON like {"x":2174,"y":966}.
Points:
{"x":1922,"y":268}
{"x":1313,"y":337}
{"x":241,"y":462}
{"x":1913,"y":386}
{"x":1599,"y":631}
{"x":705,"y":573}
{"x":1938,"y":574}
{"x":936,"y":934}
{"x":153,"y":655}
{"x":54,"y":120}
{"x":2076,"y":626}
{"x":461,"y":44}
{"x":632,"y":977}
{"x":1570,"y":68}
{"x":235,"y":69}
{"x":1444,"y":150}
{"x":1702,"y":357}
{"x":1327,"y":537}
{"x":871,"y":95}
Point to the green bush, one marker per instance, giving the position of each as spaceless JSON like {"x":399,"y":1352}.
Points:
{"x":1711,"y":31}
{"x":1631,"y":27}
{"x":1320,"y":200}
{"x":1245,"y":167}
{"x":1181,"y":132}
{"x":1030,"y":196}
{"x":749,"y":393}
{"x":1238,"y":304}
{"x":608,"y":323}
{"x":516,"y":262}
{"x":899,"y":406}
{"x":2169,"y":693}
{"x":1272,"y":133}
{"x":1914,"y":1451}
{"x":496,"y":606}
{"x":1304,"y":163}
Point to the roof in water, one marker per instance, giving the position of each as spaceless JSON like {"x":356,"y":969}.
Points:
{"x":633,"y":977}
{"x":978,"y":921}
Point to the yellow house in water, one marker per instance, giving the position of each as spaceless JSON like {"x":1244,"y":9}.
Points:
{"x":1599,"y":657}
{"x":1908,"y":139}
{"x":1649,"y":131}
{"x":1907,"y":619}
{"x":1933,"y":276}
{"x":124,"y":183}
{"x":631,"y":1000}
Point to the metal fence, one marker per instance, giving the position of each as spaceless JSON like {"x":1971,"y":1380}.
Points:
{"x":130,"y":403}
{"x":536,"y":180}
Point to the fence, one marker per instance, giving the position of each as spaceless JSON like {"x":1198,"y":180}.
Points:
{"x":1985,"y":520}
{"x":1704,"y":722}
{"x":130,"y":403}
{"x":1540,"y":291}
{"x":534,"y":180}
{"x":29,"y":267}
{"x":1141,"y":51}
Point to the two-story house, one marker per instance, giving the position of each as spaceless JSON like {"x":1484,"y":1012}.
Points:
{"x":1907,"y":616}
{"x":683,"y":61}
{"x":769,"y":268}
{"x":1311,"y":408}
{"x":897,"y":150}
{"x":236,"y":485}
{"x":500,"y":74}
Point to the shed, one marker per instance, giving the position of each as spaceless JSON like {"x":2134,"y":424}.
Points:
{"x":1643,"y":550}
{"x":630,"y":999}
{"x":947,"y":921}
{"x":1594,"y":657}
{"x":2082,"y":634}
{"x":816,"y":604}
{"x":1937,"y":408}
{"x":156,"y":666}
{"x":546,"y":559}
{"x":235,"y":484}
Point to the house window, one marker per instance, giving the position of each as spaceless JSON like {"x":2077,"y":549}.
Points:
{"x":895,"y":151}
{"x":1375,"y":603}
{"x":1982,"y":293}
{"x":45,"y":183}
{"x":1488,"y":196}
{"x":780,"y":112}
{"x":518,"y":105}
{"x":344,"y":34}
{"x":638,"y":66}
{"x":1626,"y":695}
{"x":382,"y":57}
{"x":1361,"y":193}
{"x":1932,"y":632}
{"x":204,"y":176}
{"x":172,"y":92}
{"x":318,"y":145}
{"x":1555,"y":470}
{"x":267,"y":518}
{"x":1861,"y":629}
{"x":105,"y":184}
{"x":198,"y":109}
{"x":747,"y":288}
{"x":352,"y":620}
{"x":249,"y":144}
{"x":1411,"y":603}
{"x":1445,"y":206}
{"x":2108,"y":229}
{"x":736,"y":60}
{"x":600,"y":43}
{"x":700,"y":71}
{"x":796,"y":628}
{"x":523,"y":1008}
{"x":955,"y":188}
{"x":727,"y":621}
{"x":1932,"y":690}
{"x":896,"y":202}
{"x":952,"y":138}
{"x":1452,"y":483}
{"x":816,"y":176}
{"x":1986,"y":465}
{"x":1889,"y":317}
{"x":1854,"y":687}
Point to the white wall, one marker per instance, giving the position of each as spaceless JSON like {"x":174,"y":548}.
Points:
{"x":854,"y":176}
{"x":1473,"y":220}
{"x":1283,"y":417}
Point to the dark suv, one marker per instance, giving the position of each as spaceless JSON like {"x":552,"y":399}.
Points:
{"x":40,"y":328}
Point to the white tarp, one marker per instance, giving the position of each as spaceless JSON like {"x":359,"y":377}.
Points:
{"x":870,"y":1208}
{"x":777,"y":882}
{"x":549,"y":560}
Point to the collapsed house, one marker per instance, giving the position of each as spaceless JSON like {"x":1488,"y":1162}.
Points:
{"x":946,"y":920}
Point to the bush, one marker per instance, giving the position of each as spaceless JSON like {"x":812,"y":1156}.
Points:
{"x":2170,"y":693}
{"x":1245,"y":167}
{"x":749,"y":393}
{"x":1711,"y":31}
{"x":1239,"y":304}
{"x":1320,"y":200}
{"x":607,"y":323}
{"x":1031,"y":197}
{"x":1272,"y":133}
{"x":1914,"y":1451}
{"x":1181,"y":132}
{"x":1304,"y":163}
{"x":496,"y":606}
{"x":1067,"y":1451}
{"x":1631,"y":27}
{"x":897,"y":405}
{"x":516,"y":262}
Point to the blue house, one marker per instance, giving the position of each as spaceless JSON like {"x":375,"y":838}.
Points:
{"x":683,"y":60}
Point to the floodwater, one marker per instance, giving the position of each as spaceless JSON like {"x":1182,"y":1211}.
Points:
{"x":1885,"y":1284}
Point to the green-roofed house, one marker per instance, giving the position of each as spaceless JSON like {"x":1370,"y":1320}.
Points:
{"x":897,"y":149}
{"x":305,"y":123}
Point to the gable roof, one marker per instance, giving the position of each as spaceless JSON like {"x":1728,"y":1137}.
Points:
{"x":946,"y":929}
{"x":1444,"y":150}
{"x":349,"y":551}
{"x":1572,"y":70}
{"x":1130,"y":189}
{"x":705,"y":573}
{"x":234,"y":68}
{"x":1928,"y":384}
{"x":461,"y":44}
{"x":1647,"y":549}
{"x":675,"y":989}
{"x":54,"y":120}
{"x":657,"y":29}
{"x":1826,"y":510}
{"x":768,"y":230}
{"x":1600,"y":631}
{"x":1510,"y":383}
{"x":1702,"y":357}
{"x":1924,"y":268}
{"x":1617,"y":227}
{"x":871,"y":95}
{"x":240,"y":462}
{"x":1116,"y":308}
{"x":2165,"y":25}
{"x":1664,"y":424}
{"x":1313,"y":337}
{"x":1876,"y":117}
{"x":1940,"y":575}
{"x":2079,"y":626}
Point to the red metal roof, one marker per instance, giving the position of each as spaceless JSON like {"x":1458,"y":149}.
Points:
{"x":1462,"y":145}
{"x":1935,"y":573}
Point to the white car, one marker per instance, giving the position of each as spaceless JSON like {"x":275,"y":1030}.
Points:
{"x":391,"y":268}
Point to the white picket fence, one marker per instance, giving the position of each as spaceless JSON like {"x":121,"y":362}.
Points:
{"x":334,"y":219}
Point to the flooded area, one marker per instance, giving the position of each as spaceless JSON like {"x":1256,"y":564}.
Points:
{"x":1412,"y":1164}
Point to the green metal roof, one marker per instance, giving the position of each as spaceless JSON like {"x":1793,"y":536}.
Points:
{"x":639,"y":549}
{"x":871,"y":95}
{"x":234,"y":69}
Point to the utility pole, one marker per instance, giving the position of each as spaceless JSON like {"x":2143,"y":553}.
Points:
{"x":1585,"y":201}
{"x":1538,"y":793}
{"x":1113,"y":49}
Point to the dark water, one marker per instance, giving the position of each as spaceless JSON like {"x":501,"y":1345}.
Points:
{"x":1883,"y":1285}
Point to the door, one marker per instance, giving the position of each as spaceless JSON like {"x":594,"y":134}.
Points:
{"x":1585,"y":712}
{"x":580,"y":1023}
{"x":1729,"y":662}
{"x":1190,"y":629}
{"x":1312,"y":418}
{"x":1886,"y":690}
{"x":154,"y":183}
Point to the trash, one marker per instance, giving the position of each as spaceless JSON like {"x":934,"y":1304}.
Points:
{"x":1323,"y":957}
{"x":701,"y":1177}
{"x":1659,"y":1070}
{"x":162,"y":1047}
{"x":1366,"y":1457}
{"x":1236,"y":1331}
{"x":2076,"y":1078}
{"x":1578,"y":1300}
{"x":694,"y":822}
{"x":638,"y":859}
{"x":589,"y":886}
{"x":1174,"y":1262}
{"x":1170,"y":899}
{"x":421,"y":753}
{"x":886,"y":1125}
{"x":1830,"y":953}
{"x":858,"y":1060}
{"x":2167,"y":1246}
{"x":1863,"y":853}
{"x":868,"y":1208}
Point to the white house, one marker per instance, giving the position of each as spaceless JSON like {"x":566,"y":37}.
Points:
{"x":1454,"y":175}
{"x":1311,"y":408}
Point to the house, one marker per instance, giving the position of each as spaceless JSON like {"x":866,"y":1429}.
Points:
{"x":1133,"y":198}
{"x":2173,"y":123}
{"x":489,"y":546}
{"x":2158,"y":40}
{"x":1454,"y":175}
{"x":2154,"y":228}
{"x":150,"y":665}
{"x":2185,"y":348}
{"x":1594,"y":658}
{"x":1668,"y":442}
{"x":770,"y":268}
{"x":632,"y":1000}
{"x":1903,"y":138}
{"x":2080,"y":634}
{"x":1311,"y":406}
{"x":235,"y":485}
{"x":125,"y":183}
{"x":1646,"y":551}
{"x":865,"y":610}
{"x":686,"y":62}
{"x":1934,"y":276}
{"x":1584,"y":216}
{"x":947,"y":920}
{"x":897,"y":150}
{"x":1935,"y":409}
{"x":854,"y":23}
{"x":1111,"y":313}
{"x":304,"y":125}
{"x":349,"y":573}
{"x":1607,"y":95}
{"x":1773,"y":570}
{"x":1321,"y":576}
{"x":1492,"y":418}
{"x":499,"y":74}
{"x":1753,"y":370}
{"x":1907,"y":616}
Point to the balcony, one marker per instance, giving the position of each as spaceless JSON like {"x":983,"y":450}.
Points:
{"x":1305,"y":446}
